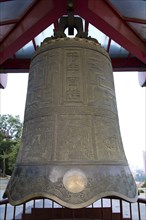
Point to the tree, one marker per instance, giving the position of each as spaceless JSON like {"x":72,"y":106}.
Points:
{"x":144,"y":185}
{"x":5,"y":145}
{"x":12,"y":156}
{"x":10,"y":126}
{"x":10,"y":134}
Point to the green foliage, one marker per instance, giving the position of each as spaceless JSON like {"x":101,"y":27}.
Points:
{"x":10,"y":126}
{"x":13,"y":155}
{"x":10,"y":134}
{"x":144,"y":185}
{"x":140,"y":191}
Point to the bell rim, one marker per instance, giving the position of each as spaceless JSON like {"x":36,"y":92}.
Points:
{"x":42,"y":195}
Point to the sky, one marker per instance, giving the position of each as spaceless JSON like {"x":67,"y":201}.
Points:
{"x":130,"y":102}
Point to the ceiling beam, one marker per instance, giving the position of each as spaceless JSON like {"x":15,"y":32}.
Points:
{"x":119,"y":64}
{"x":127,"y":64}
{"x":135,"y":20}
{"x":101,"y":14}
{"x":7,"y":22}
{"x":41,"y":15}
{"x":15,"y":66}
{"x":5,"y":0}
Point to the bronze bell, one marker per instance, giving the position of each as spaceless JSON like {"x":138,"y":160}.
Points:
{"x":71,"y":149}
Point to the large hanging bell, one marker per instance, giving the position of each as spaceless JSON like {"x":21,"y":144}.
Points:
{"x":71,"y":149}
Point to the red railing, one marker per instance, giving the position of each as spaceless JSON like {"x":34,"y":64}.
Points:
{"x":105,"y":208}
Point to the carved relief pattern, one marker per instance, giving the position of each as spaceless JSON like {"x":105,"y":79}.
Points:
{"x":100,"y":82}
{"x":71,"y":120}
{"x":74,"y":138}
{"x":37,"y":140}
{"x":72,"y":79}
{"x":41,"y":83}
{"x":108,"y":140}
{"x":39,"y":184}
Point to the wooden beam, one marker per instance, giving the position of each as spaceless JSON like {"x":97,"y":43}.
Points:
{"x":106,"y":19}
{"x":40,"y":16}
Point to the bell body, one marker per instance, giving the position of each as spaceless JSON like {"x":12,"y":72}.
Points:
{"x":71,"y":149}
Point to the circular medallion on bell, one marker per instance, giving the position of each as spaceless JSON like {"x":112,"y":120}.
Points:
{"x":75,"y":180}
